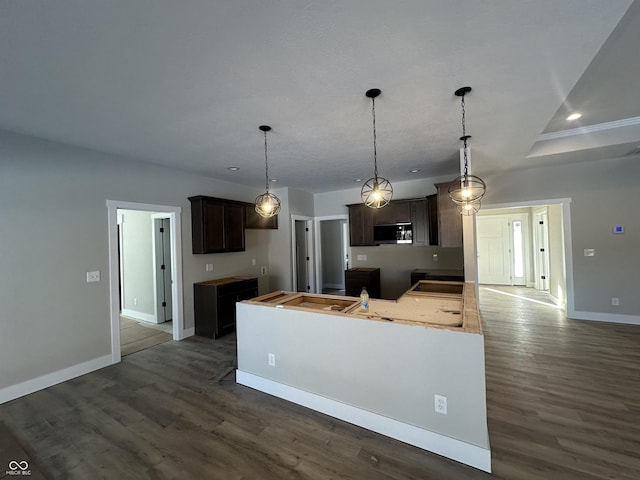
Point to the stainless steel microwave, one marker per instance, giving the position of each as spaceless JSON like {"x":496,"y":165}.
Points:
{"x":394,"y":233}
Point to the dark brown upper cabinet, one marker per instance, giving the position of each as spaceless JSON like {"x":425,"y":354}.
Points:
{"x":361,"y":221}
{"x":217,"y":225}
{"x":398,"y":211}
{"x":449,"y":219}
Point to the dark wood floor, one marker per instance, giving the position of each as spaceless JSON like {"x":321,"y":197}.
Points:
{"x":563,"y":402}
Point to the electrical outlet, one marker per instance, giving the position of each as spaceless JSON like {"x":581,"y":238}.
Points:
{"x":615,"y":301}
{"x":435,"y":257}
{"x":135,"y":301}
{"x":272,"y":360}
{"x":440,"y":404}
{"x":208,"y":267}
{"x":253,"y":262}
{"x":93,"y":277}
{"x":362,"y":258}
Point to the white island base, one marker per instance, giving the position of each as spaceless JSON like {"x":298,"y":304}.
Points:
{"x":378,"y":374}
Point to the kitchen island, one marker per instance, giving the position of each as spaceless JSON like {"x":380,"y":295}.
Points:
{"x":411,"y":369}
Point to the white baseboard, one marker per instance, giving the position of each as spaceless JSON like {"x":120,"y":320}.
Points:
{"x":457,"y":450}
{"x":145,"y":317}
{"x":39,"y":383}
{"x":605,"y":317}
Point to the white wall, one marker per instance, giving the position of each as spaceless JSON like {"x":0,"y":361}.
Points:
{"x":137,"y":260}
{"x":294,"y":202}
{"x":54,"y":230}
{"x":397,"y":261}
{"x":603,"y":194}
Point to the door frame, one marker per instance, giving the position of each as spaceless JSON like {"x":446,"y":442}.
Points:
{"x":565,"y":204}
{"x":174,"y":214}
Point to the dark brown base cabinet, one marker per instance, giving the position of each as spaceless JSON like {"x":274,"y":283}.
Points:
{"x":356,"y":278}
{"x":215,"y":304}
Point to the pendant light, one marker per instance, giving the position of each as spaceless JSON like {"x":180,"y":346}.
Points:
{"x":466,"y":190}
{"x":377,"y":191}
{"x":267,"y":204}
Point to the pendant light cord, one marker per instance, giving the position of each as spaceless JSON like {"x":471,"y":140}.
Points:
{"x":464,"y":136}
{"x":375,"y":152}
{"x":266,"y":164}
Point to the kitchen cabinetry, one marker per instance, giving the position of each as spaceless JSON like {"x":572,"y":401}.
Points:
{"x":449,"y":219}
{"x":398,"y":211}
{"x":356,"y":278}
{"x":361,"y":221}
{"x":419,"y":222}
{"x":215,"y":304}
{"x":422,"y":213}
{"x":217,"y":225}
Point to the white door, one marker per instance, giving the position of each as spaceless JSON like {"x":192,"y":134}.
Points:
{"x":162,"y":258}
{"x":494,"y":257}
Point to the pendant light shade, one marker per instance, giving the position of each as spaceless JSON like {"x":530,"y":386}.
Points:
{"x":466,"y":190}
{"x":377,"y":191}
{"x":267,"y":205}
{"x":469,"y":208}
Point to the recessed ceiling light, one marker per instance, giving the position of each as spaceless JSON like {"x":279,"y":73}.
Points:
{"x":574,"y":116}
{"x":233,"y":169}
{"x":274,"y":180}
{"x":357,"y":179}
{"x":414,"y":170}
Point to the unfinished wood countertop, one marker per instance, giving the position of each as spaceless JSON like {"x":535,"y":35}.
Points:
{"x":428,"y":303}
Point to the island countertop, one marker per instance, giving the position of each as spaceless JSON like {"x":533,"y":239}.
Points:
{"x":427,"y":303}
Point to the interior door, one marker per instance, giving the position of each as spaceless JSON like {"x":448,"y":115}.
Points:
{"x":302,"y":257}
{"x":163,"y":269}
{"x":541,"y":229}
{"x":494,"y":256}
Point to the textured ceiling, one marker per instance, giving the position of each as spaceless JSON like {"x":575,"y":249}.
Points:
{"x":186,"y":84}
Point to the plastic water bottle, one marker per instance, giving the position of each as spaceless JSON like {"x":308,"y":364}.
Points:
{"x":364,"y":300}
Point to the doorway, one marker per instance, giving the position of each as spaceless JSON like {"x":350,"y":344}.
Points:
{"x":526,"y":245}
{"x":333,"y":255}
{"x":169,"y":244}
